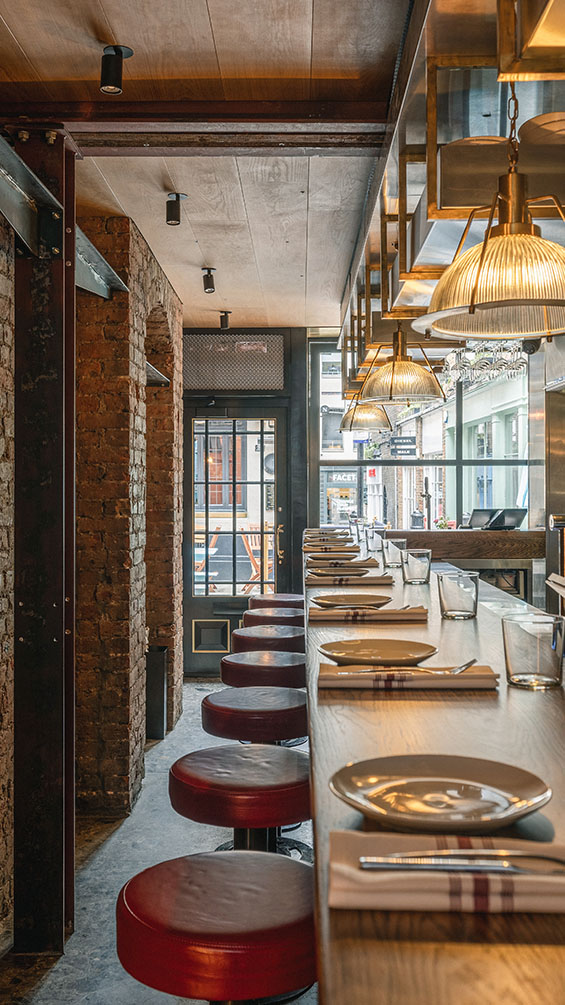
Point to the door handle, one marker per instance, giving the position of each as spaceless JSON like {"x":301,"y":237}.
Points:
{"x":279,"y":550}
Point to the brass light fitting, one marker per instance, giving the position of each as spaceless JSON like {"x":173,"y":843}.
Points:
{"x":512,"y":286}
{"x":400,"y":379}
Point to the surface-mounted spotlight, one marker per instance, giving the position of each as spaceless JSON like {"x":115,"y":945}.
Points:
{"x":174,"y":200}
{"x":225,"y":319}
{"x":208,"y":280}
{"x":112,"y":68}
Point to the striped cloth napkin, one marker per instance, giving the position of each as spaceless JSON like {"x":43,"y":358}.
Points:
{"x":476,"y":678}
{"x":342,"y":563}
{"x":345,"y":580}
{"x":353,"y":615}
{"x":353,"y":888}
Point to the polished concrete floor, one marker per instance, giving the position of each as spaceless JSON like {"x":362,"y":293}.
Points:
{"x":108,"y":854}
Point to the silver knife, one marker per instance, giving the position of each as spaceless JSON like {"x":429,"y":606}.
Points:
{"x":467,"y":860}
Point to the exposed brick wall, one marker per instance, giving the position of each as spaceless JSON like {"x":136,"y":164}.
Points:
{"x":6,"y":578}
{"x":111,"y":518}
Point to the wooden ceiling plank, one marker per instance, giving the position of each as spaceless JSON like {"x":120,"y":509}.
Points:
{"x":336,"y":195}
{"x":263,"y":48}
{"x":354,"y":47}
{"x":276,"y":200}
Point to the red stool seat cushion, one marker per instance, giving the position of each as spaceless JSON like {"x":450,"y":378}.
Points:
{"x":276,"y":600}
{"x":259,"y":714}
{"x":274,"y":616}
{"x":219,"y":926}
{"x":242,"y":787}
{"x":281,"y":637}
{"x":271,"y":668}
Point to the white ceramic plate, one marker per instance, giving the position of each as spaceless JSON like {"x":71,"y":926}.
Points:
{"x":351,"y":600}
{"x":440,"y":793}
{"x":378,"y":652}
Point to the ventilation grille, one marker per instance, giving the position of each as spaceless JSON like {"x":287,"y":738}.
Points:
{"x":233,"y":361}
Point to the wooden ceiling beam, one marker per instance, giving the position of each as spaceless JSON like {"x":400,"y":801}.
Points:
{"x":121,"y":115}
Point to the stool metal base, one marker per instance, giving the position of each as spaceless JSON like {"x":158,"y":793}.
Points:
{"x":268,"y":839}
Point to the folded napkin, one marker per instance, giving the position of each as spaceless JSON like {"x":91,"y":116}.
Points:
{"x":331,"y":549}
{"x":354,"y":888}
{"x":476,"y":678}
{"x":342,"y":563}
{"x":346,"y":580}
{"x":355,"y":615}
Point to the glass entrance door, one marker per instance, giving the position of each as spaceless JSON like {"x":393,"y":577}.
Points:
{"x":238,"y":520}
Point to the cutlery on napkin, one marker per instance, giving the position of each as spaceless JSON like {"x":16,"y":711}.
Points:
{"x":479,"y":678}
{"x":413,"y":889}
{"x":315,"y":562}
{"x":360,"y":614}
{"x":346,"y":580}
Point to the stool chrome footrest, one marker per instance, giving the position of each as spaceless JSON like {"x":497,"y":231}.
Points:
{"x":268,"y":839}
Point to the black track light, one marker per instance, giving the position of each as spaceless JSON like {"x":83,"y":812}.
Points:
{"x":225,"y":319}
{"x":112,"y":68}
{"x":208,"y":280}
{"x":174,"y":200}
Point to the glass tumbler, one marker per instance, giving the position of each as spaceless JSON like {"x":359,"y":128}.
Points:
{"x":458,"y":595}
{"x":533,"y":650}
{"x":416,"y":563}
{"x":392,"y":547}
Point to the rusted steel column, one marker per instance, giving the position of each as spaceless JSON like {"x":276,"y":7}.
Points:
{"x":40,"y":301}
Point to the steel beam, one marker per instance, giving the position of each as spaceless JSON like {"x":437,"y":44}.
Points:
{"x":93,"y":273}
{"x":237,"y":144}
{"x":39,"y":589}
{"x":121,"y":114}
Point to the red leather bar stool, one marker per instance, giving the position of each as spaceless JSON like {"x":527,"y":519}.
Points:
{"x":258,"y":714}
{"x":205,"y":926}
{"x":270,"y":668}
{"x":254,"y":790}
{"x":287,"y":638}
{"x":276,"y":600}
{"x":274,"y":616}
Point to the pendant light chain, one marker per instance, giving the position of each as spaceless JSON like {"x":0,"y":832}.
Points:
{"x":512,"y":145}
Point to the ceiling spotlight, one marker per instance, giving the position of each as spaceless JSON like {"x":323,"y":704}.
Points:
{"x":225,"y":319}
{"x":174,"y":200}
{"x":208,"y":280}
{"x":112,"y":68}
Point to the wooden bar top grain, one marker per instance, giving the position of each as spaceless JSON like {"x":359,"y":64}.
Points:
{"x":415,"y":958}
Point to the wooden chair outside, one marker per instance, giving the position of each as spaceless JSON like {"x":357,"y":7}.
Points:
{"x":252,"y":544}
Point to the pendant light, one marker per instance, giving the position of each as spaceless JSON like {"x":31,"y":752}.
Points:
{"x":364,"y":415}
{"x":512,"y":286}
{"x":399,"y":379}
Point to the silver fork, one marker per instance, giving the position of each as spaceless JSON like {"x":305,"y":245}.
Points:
{"x":439,"y":673}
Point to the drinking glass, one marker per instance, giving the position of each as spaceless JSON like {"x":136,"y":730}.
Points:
{"x":392,"y":547}
{"x":533,"y":649}
{"x":416,"y":563}
{"x":458,"y":595}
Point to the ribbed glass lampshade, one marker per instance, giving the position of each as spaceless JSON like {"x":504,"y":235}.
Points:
{"x":365,"y":415}
{"x":401,"y":380}
{"x":520,"y":293}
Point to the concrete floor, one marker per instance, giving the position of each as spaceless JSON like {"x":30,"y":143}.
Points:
{"x":107,"y":855}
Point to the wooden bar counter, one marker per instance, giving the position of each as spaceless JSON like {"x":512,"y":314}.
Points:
{"x":452,"y":544}
{"x":412,"y":958}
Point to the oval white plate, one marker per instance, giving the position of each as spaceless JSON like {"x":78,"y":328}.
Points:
{"x":381,"y":652}
{"x":439,"y":793}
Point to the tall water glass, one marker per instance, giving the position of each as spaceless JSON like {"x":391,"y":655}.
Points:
{"x":458,"y":595}
{"x":416,"y":564}
{"x":392,"y":547}
{"x":533,"y":650}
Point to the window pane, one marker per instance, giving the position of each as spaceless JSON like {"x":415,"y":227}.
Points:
{"x":268,"y":457}
{"x":492,"y":486}
{"x":249,"y":518}
{"x":495,"y":403}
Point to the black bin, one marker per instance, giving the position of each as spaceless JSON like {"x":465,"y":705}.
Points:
{"x":416,"y":520}
{"x":156,"y":692}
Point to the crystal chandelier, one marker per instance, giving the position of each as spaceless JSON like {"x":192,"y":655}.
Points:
{"x":512,"y":286}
